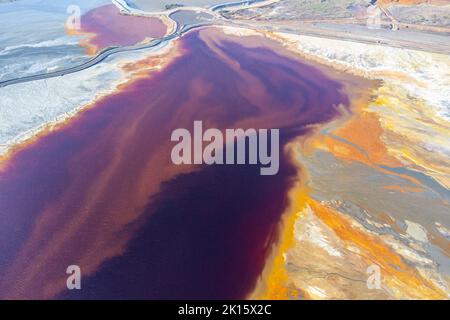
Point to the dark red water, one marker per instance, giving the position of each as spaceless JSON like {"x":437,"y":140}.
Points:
{"x":101,"y":192}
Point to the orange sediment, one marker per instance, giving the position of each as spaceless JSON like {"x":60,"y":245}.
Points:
{"x":402,"y":279}
{"x":403,"y":189}
{"x":274,"y":282}
{"x":364,"y":130}
{"x":364,"y":134}
{"x":396,"y":273}
{"x":362,"y":141}
{"x":85,"y":43}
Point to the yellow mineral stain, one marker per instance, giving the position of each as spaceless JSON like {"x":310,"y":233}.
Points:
{"x":411,"y":129}
{"x":364,"y":134}
{"x":403,"y":189}
{"x":376,"y":121}
{"x":274,"y":281}
{"x":397,"y":275}
{"x":349,"y":153}
{"x":85,"y":42}
{"x":364,"y":130}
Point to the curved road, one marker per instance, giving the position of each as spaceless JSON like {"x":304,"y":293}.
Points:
{"x":98,"y":58}
{"x":112,"y":50}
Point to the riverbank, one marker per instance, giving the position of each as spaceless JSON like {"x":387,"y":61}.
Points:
{"x":370,"y":173}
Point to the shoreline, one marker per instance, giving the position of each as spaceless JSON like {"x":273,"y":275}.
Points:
{"x":299,"y":193}
{"x":278,"y":36}
{"x":119,"y":154}
{"x":274,"y":282}
{"x":31,"y":136}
